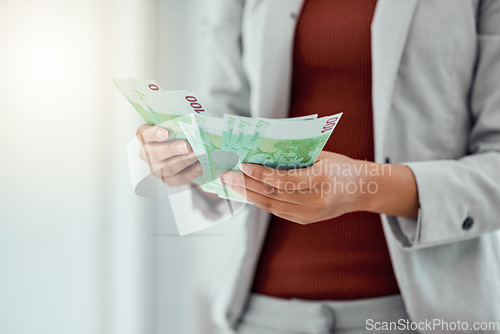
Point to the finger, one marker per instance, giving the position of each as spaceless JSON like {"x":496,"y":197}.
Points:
{"x":155,"y":152}
{"x":173,"y":165}
{"x":300,"y":178}
{"x":147,"y":133}
{"x":266,"y":203}
{"x":185,"y":177}
{"x":290,"y":194}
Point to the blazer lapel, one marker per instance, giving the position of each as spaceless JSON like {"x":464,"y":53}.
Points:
{"x":274,"y":63}
{"x":389,"y":31}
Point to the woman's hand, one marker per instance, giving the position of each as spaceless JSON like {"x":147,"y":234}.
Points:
{"x":171,"y":160}
{"x":333,"y":186}
{"x":304,"y":195}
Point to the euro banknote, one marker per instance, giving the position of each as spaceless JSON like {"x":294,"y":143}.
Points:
{"x":160,"y":107}
{"x":274,"y":143}
{"x":222,"y":144}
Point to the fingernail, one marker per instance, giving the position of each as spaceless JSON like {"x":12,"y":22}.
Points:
{"x":198,"y":169}
{"x":247,"y":169}
{"x":191,"y":155}
{"x":162,"y":134}
{"x":182,"y":148}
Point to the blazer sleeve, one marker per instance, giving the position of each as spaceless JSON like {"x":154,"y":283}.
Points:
{"x":224,"y":88}
{"x":224,"y":85}
{"x":460,"y":199}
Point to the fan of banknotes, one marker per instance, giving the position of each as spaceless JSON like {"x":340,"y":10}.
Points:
{"x":222,"y":144}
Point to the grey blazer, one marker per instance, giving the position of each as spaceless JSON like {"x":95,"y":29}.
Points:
{"x":436,"y":108}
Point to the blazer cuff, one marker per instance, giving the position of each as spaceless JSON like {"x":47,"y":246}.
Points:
{"x":405,"y":230}
{"x":439,"y":220}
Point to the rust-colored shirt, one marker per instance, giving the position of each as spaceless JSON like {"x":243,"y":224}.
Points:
{"x":344,"y":257}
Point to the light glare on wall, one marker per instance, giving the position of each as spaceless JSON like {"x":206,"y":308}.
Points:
{"x":48,"y":64}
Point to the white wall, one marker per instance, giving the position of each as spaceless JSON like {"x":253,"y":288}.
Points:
{"x":187,"y":269}
{"x":73,"y":236}
{"x":79,"y":252}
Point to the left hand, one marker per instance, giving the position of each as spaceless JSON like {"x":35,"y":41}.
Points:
{"x":329,"y":188}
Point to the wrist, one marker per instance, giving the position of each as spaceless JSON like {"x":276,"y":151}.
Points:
{"x":365,"y":198}
{"x":390,"y":189}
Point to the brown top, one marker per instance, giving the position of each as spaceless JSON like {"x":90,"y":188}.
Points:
{"x":345,"y":257}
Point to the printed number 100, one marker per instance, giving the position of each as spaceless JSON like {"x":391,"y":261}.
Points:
{"x":193,"y":102}
{"x":329,"y":124}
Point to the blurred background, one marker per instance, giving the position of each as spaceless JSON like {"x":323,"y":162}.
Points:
{"x":80,"y":253}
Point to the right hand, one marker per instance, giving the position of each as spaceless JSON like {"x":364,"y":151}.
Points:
{"x":173,"y":161}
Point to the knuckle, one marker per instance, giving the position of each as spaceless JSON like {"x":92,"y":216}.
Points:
{"x":268,"y":205}
{"x":271,"y":191}
{"x":171,"y":148}
{"x":180,"y":179}
{"x":280,"y":182}
{"x":168,"y":171}
{"x":187,"y":161}
{"x":198,"y":171}
{"x":193,"y":173}
{"x":173,"y":167}
{"x":141,"y":131}
{"x":260,"y":173}
{"x":289,"y":186}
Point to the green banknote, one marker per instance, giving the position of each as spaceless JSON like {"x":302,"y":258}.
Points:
{"x":205,"y":138}
{"x":284,"y":145}
{"x":222,"y":144}
{"x":157,"y":106}
{"x":240,"y":134}
{"x":188,"y":126}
